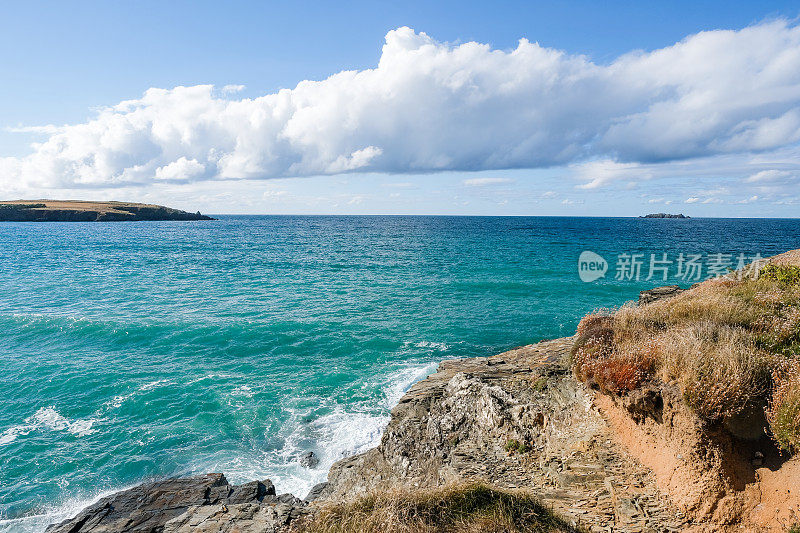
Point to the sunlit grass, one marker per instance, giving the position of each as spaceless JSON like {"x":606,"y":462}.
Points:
{"x":472,"y":507}
{"x":722,"y":343}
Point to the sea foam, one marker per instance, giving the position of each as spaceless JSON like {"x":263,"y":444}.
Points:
{"x":50,"y":419}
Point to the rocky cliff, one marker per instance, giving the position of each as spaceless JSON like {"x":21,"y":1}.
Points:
{"x":516,"y":420}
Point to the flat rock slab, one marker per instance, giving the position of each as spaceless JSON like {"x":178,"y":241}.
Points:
{"x":203,"y":503}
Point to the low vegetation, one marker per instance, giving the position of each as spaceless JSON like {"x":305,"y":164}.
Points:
{"x":21,"y":206}
{"x":729,"y":344}
{"x":783,"y":412}
{"x":458,"y":508}
{"x":540,"y":384}
{"x":513,"y":446}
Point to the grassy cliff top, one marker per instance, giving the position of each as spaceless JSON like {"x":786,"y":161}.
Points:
{"x":78,"y":205}
{"x":731,"y":344}
{"x":86,"y":211}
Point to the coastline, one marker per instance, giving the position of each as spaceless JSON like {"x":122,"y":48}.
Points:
{"x":573,"y":453}
{"x":519,"y":420}
{"x":90,"y":211}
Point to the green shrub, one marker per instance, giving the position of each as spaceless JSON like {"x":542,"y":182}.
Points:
{"x":783,"y":412}
{"x":514,"y":446}
{"x":786,"y":274}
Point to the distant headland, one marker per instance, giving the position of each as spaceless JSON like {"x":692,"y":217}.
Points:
{"x":88,"y":211}
{"x":664,"y":215}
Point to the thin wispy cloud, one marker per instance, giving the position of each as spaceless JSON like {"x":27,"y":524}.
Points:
{"x":487,"y":182}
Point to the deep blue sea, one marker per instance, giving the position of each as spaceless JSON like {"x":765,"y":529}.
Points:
{"x":133,"y":351}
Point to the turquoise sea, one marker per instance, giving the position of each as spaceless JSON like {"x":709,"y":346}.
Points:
{"x":132,"y":351}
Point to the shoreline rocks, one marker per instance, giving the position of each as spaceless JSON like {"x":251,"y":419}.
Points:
{"x":659,"y":293}
{"x":308,"y":460}
{"x":202,"y":504}
{"x":517,"y":420}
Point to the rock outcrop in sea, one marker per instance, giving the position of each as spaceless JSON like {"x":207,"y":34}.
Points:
{"x":664,"y":215}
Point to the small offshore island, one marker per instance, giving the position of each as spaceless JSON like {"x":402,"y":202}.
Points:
{"x":664,"y":215}
{"x":89,"y":211}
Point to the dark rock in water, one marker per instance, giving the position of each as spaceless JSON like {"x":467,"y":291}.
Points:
{"x":288,"y":497}
{"x":148,"y":506}
{"x":309,"y":460}
{"x":252,"y":491}
{"x":316,"y":491}
{"x":203,"y":504}
{"x":659,"y":293}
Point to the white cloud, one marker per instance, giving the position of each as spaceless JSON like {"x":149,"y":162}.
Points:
{"x":604,"y":171}
{"x":483,"y":182}
{"x":272,"y":194}
{"x":772,"y":176}
{"x":48,"y":129}
{"x":232,"y":89}
{"x":750,"y":200}
{"x":355,"y":200}
{"x":182,"y":169}
{"x":430,"y":106}
{"x":692,"y":200}
{"x":354,"y":161}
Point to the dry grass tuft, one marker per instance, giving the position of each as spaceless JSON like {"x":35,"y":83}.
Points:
{"x":473,"y":507}
{"x":718,"y":367}
{"x":783,"y":412}
{"x":594,"y":321}
{"x":720,"y":342}
{"x":613,"y":373}
{"x":598,"y":360}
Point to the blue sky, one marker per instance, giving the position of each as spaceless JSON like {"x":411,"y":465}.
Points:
{"x":64,"y":63}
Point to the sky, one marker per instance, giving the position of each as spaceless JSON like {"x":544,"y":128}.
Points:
{"x":503,"y":108}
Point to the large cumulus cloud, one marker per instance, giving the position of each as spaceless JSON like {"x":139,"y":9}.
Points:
{"x":431,"y":106}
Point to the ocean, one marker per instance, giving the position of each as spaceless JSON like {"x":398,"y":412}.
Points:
{"x":137,"y":351}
